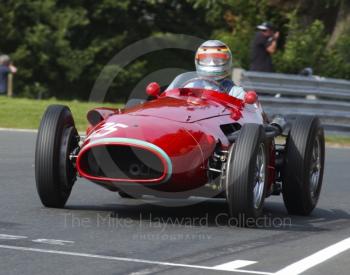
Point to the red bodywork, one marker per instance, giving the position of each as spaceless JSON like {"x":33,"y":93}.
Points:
{"x":180,"y":131}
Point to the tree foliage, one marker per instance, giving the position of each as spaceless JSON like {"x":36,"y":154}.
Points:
{"x":306,"y":27}
{"x":305,"y":47}
{"x":61,"y":46}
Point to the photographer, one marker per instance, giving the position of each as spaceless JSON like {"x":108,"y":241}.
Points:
{"x":6,"y":68}
{"x":263,"y":46}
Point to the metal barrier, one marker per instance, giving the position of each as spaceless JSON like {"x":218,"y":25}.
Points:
{"x":293,"y":95}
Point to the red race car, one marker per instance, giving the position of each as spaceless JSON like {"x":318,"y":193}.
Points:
{"x":190,"y":140}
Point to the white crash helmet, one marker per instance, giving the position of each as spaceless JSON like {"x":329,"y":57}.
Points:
{"x":213,"y":60}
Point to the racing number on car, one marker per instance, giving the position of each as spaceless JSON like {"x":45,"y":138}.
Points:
{"x":108,"y":128}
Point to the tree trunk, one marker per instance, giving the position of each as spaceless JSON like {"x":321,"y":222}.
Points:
{"x":342,"y":25}
{"x":310,"y":10}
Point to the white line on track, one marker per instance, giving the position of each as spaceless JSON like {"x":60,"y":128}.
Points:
{"x":234,"y":265}
{"x":52,"y":241}
{"x":18,"y":130}
{"x":316,"y":258}
{"x":86,"y":255}
{"x":34,"y":131}
{"x":11,"y":237}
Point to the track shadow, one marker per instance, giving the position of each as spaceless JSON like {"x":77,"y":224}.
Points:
{"x":319,"y":220}
{"x":139,"y":210}
{"x":214,"y":213}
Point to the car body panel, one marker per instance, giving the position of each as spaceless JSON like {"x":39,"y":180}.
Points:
{"x":185,"y":124}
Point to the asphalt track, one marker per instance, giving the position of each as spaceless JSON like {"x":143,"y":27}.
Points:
{"x":100,"y":233}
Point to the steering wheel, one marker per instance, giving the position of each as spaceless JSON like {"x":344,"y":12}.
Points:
{"x":211,"y":82}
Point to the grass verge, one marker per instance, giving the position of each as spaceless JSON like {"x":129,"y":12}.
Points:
{"x":340,"y":141}
{"x":335,"y":141}
{"x":27,"y":113}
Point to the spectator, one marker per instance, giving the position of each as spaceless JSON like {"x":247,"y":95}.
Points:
{"x":5,"y":68}
{"x":307,"y":72}
{"x":262,"y":47}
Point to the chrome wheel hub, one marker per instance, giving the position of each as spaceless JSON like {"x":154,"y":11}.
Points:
{"x":315,"y":168}
{"x":259,"y":181}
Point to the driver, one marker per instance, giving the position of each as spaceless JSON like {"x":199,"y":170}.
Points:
{"x":214,"y":61}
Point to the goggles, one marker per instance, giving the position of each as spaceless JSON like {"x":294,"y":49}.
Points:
{"x":213,"y":59}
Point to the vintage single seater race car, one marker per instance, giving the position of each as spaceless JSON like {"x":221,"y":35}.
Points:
{"x":190,"y":140}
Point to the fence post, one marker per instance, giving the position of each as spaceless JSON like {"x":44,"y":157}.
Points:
{"x":10,"y":85}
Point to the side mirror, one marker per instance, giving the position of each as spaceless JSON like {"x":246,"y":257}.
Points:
{"x":250,"y":97}
{"x":153,"y":89}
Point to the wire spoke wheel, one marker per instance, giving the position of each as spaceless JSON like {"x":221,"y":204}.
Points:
{"x":315,"y":167}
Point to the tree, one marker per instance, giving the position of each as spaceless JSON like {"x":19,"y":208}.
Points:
{"x":61,"y":46}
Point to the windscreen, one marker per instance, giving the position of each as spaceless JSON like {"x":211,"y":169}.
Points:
{"x":193,"y":80}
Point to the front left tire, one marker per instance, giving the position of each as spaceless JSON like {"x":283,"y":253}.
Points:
{"x":55,"y":173}
{"x":304,"y":166}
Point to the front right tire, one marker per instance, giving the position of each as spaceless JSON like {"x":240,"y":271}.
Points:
{"x":54,"y":171}
{"x":247,"y":175}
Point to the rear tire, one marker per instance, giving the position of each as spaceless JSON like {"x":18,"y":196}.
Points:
{"x":54,"y":171}
{"x":304,"y":166}
{"x":247,"y":174}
